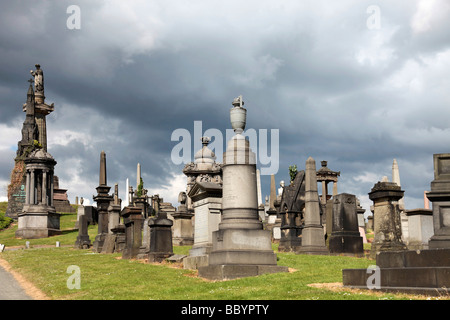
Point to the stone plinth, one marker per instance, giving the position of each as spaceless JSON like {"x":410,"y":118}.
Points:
{"x":413,"y":272}
{"x":39,"y":218}
{"x":38,"y":221}
{"x":387,"y":224}
{"x":183,"y":234}
{"x":440,"y":197}
{"x":420,"y":223}
{"x":132,"y":219}
{"x":345,"y":237}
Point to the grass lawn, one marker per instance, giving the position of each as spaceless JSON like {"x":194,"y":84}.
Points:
{"x":108,"y":277}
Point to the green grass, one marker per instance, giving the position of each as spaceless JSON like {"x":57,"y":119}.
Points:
{"x":108,"y":277}
{"x":105,"y":276}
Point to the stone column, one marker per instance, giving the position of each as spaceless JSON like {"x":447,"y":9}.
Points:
{"x":27,"y":188}
{"x":313,"y":239}
{"x":52,"y":186}
{"x":32,"y":188}
{"x":44,"y":187}
{"x":386,"y":218}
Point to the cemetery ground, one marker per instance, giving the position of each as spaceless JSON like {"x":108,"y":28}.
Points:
{"x":108,"y":277}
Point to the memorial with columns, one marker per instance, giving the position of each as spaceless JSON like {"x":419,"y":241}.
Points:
{"x":38,"y":218}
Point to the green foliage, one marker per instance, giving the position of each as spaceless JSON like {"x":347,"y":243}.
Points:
{"x":292,"y":172}
{"x":140,"y":188}
{"x":4,"y":221}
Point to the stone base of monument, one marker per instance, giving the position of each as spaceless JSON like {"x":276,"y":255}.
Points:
{"x":414,"y":272}
{"x":346,"y":244}
{"x":38,"y":221}
{"x":227,"y":272}
{"x":240,"y":253}
{"x":290,"y":240}
{"x":158,"y":256}
{"x":198,"y":257}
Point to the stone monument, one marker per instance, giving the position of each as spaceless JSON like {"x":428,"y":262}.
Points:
{"x":313,"y":238}
{"x":387,"y":224}
{"x":160,"y":237}
{"x":132,"y":219}
{"x":207,"y":203}
{"x":183,"y":233}
{"x":203,"y":169}
{"x":240,"y":247}
{"x":103,"y":200}
{"x":292,"y":206}
{"x":345,"y":237}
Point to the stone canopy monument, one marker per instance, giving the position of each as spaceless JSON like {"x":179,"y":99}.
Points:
{"x":241,"y":247}
{"x":34,"y":135}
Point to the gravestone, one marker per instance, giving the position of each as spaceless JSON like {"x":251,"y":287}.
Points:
{"x":313,"y":238}
{"x":83,"y":241}
{"x":183,"y":234}
{"x":440,"y":198}
{"x":132,"y":219}
{"x":387,"y":224}
{"x":160,"y":238}
{"x":207,"y":203}
{"x":292,"y":205}
{"x":241,"y":247}
{"x":345,"y":237}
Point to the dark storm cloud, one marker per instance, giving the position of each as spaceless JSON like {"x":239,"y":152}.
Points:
{"x":136,"y":71}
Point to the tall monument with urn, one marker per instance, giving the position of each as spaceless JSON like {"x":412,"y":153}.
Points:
{"x":241,"y":247}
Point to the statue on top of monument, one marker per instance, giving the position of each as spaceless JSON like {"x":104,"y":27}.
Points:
{"x":38,"y":75}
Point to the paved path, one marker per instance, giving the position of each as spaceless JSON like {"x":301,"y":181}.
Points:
{"x":10,"y":289}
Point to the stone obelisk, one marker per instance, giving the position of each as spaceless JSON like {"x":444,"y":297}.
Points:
{"x":313,"y":239}
{"x":103,"y":200}
{"x":241,"y":247}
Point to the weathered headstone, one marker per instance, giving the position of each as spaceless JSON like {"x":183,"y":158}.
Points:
{"x":183,"y":234}
{"x":387,"y":224}
{"x":160,"y":238}
{"x":132,"y":219}
{"x":83,"y":241}
{"x":292,"y":205}
{"x":240,"y":247}
{"x":345,"y":237}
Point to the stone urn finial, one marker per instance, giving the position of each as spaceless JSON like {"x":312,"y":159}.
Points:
{"x":238,"y":115}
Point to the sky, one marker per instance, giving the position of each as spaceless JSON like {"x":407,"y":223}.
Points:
{"x":356,"y":83}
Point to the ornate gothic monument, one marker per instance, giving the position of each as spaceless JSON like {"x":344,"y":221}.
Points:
{"x":34,"y":136}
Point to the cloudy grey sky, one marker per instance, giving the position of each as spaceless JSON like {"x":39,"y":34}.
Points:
{"x":357,"y":83}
